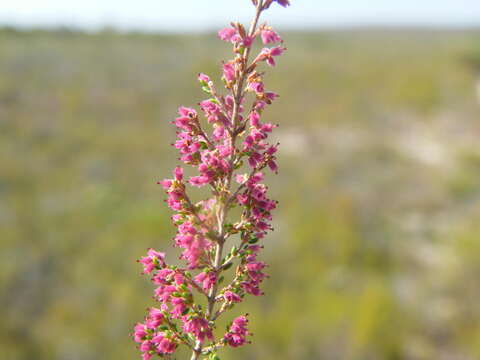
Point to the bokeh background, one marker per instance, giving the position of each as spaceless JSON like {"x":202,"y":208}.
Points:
{"x":376,"y":253}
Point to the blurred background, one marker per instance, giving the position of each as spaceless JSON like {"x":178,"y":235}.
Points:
{"x":376,"y":253}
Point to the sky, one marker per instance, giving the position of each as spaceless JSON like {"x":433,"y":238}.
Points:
{"x":198,"y":15}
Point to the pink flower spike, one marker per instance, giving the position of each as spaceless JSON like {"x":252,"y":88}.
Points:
{"x":226,"y":144}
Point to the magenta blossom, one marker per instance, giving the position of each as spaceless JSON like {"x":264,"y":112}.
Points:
{"x":231,"y":297}
{"x":229,"y":71}
{"x":228,"y":34}
{"x":270,"y":36}
{"x":224,"y":150}
{"x":284,"y":3}
{"x":154,"y":259}
{"x":237,"y":334}
{"x":268,"y":55}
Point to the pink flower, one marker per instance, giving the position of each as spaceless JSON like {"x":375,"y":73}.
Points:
{"x":255,"y":159}
{"x":178,"y":307}
{"x":229,"y":71}
{"x":228,"y":34}
{"x":164,"y":292}
{"x":284,"y":3}
{"x":277,"y":51}
{"x":271,"y":96}
{"x":185,"y":111}
{"x":186,"y":120}
{"x":254,"y":119}
{"x":257,"y":87}
{"x":153,"y":260}
{"x":178,"y":173}
{"x":146,"y":346}
{"x":139,"y":332}
{"x":167,"y":183}
{"x":269,"y":36}
{"x":231,"y":297}
{"x":211,"y":111}
{"x":237,"y":335}
{"x":199,"y":328}
{"x":207,"y":280}
{"x":156,"y":315}
{"x":247,"y":41}
{"x":199,"y":180}
{"x":204,"y":79}
{"x":241,"y":178}
{"x":146,"y":356}
{"x":268,"y":54}
{"x":166,"y":346}
{"x":219,"y":133}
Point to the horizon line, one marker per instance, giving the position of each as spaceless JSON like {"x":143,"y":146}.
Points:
{"x":208,"y":30}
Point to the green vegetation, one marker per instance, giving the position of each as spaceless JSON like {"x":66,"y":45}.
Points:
{"x":379,"y":189}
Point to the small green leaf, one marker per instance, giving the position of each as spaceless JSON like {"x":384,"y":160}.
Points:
{"x":213,"y":356}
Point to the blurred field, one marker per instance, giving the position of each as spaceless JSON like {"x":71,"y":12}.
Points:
{"x":376,"y":253}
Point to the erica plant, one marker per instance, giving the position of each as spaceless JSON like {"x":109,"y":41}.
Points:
{"x":229,"y":159}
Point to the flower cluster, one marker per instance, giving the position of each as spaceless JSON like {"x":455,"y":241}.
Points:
{"x":237,"y":333}
{"x":226,"y":144}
